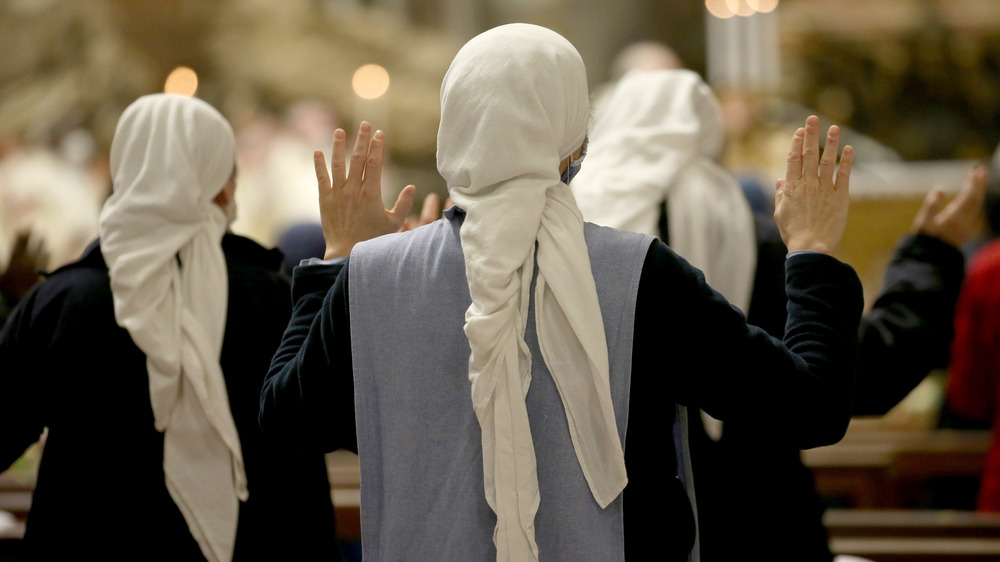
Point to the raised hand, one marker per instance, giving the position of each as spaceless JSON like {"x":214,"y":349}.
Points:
{"x":27,"y":256}
{"x":810,"y":205}
{"x":350,"y":202}
{"x":956,"y":222}
{"x":430,"y":212}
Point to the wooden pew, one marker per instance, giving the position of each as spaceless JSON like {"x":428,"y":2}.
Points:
{"x":918,"y":549}
{"x":888,"y":468}
{"x":914,"y":535}
{"x":943,"y":523}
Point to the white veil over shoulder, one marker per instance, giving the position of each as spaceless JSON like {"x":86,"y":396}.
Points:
{"x":514,"y":104}
{"x":161,"y":239}
{"x":656,"y":139}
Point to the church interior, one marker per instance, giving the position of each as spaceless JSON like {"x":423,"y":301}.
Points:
{"x":913,"y":84}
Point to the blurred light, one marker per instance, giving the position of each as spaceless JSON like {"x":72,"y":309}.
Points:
{"x":182,"y":81}
{"x":719,"y":9}
{"x":370,"y":81}
{"x":763,"y":6}
{"x":740,"y":7}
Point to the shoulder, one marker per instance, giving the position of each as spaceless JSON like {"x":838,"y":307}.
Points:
{"x":603,"y":240}
{"x":244,"y":251}
{"x":81,"y":283}
{"x":433,"y":244}
{"x":74,"y":301}
{"x":253,"y":266}
{"x":615,"y":236}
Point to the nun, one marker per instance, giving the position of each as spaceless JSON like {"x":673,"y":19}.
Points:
{"x":509,"y":374}
{"x":145,"y":359}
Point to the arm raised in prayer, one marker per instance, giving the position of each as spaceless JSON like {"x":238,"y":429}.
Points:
{"x":911,"y":324}
{"x":308,"y":395}
{"x":799,"y":391}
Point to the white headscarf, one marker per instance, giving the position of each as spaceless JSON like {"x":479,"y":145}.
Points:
{"x":514,"y":104}
{"x":160,"y":236}
{"x":656,"y":138}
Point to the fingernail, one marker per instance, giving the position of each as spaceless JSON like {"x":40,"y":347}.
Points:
{"x":800,"y":131}
{"x":848,"y":149}
{"x":365,"y":127}
{"x":339,"y":134}
{"x":379,"y":134}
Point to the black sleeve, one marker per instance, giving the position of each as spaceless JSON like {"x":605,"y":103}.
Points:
{"x":768,"y":301}
{"x":21,"y":412}
{"x":308,"y":396}
{"x":910,"y":328}
{"x":709,"y":357}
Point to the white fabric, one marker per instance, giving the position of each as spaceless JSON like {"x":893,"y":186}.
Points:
{"x":514,"y":104}
{"x":161,"y":238}
{"x":656,"y":138}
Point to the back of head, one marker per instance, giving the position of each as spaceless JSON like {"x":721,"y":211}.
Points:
{"x":661,"y":107}
{"x":644,"y":55}
{"x":653,"y":127}
{"x":170,"y":156}
{"x":655,"y":141}
{"x":514,"y":102}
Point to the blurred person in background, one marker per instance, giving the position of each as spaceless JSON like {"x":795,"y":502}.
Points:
{"x":973,"y":398}
{"x":145,"y":359}
{"x":56,"y":197}
{"x":651,"y":168}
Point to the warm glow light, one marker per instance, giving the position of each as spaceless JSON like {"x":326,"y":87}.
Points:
{"x":370,"y":81}
{"x":182,"y":81}
{"x":740,"y":7}
{"x":763,"y":6}
{"x":719,"y":9}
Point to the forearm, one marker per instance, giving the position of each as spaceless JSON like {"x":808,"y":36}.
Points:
{"x":308,"y":396}
{"x":824,"y":309}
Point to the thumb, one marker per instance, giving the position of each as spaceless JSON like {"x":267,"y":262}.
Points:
{"x":932,"y":205}
{"x":402,"y":207}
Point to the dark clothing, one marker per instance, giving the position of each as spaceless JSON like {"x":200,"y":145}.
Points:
{"x":906,"y":334}
{"x":309,"y":393}
{"x":69,"y":367}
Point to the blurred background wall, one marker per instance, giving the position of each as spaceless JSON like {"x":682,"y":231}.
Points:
{"x":914,"y":83}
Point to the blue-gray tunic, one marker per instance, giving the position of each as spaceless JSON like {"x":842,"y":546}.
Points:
{"x":689,"y":347}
